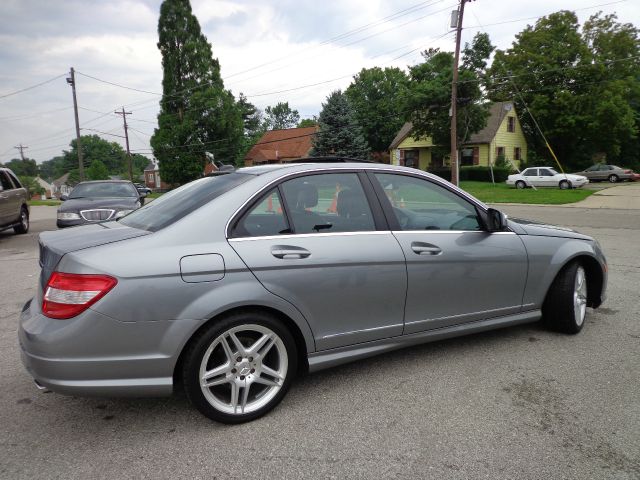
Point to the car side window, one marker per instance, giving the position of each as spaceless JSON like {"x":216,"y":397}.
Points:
{"x":327,"y":203}
{"x":530,"y":172}
{"x":5,"y":181}
{"x":266,"y":218}
{"x":419,"y":204}
{"x":14,"y":179}
{"x":545,"y":173}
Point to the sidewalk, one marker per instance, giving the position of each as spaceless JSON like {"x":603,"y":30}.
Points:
{"x":622,"y":197}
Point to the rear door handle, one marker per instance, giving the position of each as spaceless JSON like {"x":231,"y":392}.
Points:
{"x":422,"y":248}
{"x":289,"y":252}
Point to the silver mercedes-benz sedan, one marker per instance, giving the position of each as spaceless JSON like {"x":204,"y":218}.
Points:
{"x":232,"y":285}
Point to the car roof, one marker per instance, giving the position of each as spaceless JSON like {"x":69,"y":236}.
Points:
{"x":323,"y":165}
{"x":104,"y":181}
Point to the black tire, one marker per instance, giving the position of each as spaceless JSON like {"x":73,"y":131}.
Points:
{"x":559,"y":310}
{"x":23,"y":227}
{"x":520,"y":184}
{"x":564,"y":185}
{"x":199,"y":347}
{"x":613,"y":178}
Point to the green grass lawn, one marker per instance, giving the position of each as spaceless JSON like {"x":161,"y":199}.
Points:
{"x":154,"y":195}
{"x":48,"y":203}
{"x":502,"y":193}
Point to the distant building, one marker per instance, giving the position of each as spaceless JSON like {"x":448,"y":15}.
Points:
{"x":60,"y":187}
{"x":48,"y":188}
{"x":501,"y":136}
{"x":281,"y":146}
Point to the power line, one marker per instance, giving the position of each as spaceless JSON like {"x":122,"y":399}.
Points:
{"x":32,"y":86}
{"x":118,"y":84}
{"x":103,"y":133}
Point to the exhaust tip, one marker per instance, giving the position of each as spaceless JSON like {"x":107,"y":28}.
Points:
{"x":41,"y":387}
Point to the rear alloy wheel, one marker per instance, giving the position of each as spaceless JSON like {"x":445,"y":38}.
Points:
{"x":565,"y":307}
{"x":23,"y":227}
{"x":613,"y":178}
{"x":520,"y":184}
{"x":564,"y":185}
{"x":240,"y":368}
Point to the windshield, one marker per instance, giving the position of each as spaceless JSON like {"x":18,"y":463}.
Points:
{"x":101,"y":190}
{"x":178,"y":203}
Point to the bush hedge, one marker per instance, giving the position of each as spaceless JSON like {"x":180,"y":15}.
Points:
{"x":476,"y":173}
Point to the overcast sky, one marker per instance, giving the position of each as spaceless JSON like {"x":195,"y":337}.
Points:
{"x":264,"y":47}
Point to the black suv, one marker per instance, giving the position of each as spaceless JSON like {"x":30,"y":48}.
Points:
{"x":14,"y":211}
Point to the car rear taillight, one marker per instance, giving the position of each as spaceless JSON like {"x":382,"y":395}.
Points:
{"x":628,"y":171}
{"x":69,"y":294}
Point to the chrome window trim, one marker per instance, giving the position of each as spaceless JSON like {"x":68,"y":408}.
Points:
{"x":349,"y":168}
{"x":413,"y":232}
{"x":310,"y":235}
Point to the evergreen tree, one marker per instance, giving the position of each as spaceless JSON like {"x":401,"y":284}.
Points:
{"x":197,"y":115}
{"x":339,"y":133}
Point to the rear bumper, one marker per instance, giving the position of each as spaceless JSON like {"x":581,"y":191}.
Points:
{"x":95,"y":355}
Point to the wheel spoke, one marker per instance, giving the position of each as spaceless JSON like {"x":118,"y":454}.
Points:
{"x":263,"y":352}
{"x":216,"y":382}
{"x":271,"y":372}
{"x":234,"y":396}
{"x":239,"y":347}
{"x":245,"y":396}
{"x":227,"y":349}
{"x":216,"y":371}
{"x":266,"y":381}
{"x":259,"y":343}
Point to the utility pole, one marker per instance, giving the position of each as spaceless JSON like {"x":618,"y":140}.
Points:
{"x":72,"y":81}
{"x":454,"y":95}
{"x":126,"y":138}
{"x":21,"y":148}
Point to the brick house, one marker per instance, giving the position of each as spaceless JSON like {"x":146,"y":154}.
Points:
{"x":281,"y":146}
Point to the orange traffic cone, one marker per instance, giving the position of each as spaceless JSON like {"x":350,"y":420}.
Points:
{"x":270,"y":204}
{"x":402,"y":204}
{"x":333,"y":208}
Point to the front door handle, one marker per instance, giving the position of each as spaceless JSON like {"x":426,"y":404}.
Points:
{"x":422,"y":248}
{"x":289,"y":252}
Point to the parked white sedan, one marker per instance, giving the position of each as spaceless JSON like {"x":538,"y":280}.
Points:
{"x":546,"y":177}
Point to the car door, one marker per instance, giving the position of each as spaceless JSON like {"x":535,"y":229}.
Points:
{"x":317,"y":241}
{"x":457,"y":272}
{"x":9,"y":206}
{"x":530,"y":176}
{"x":547,"y":178}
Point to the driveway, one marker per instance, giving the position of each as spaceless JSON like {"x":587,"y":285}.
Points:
{"x":514,"y":403}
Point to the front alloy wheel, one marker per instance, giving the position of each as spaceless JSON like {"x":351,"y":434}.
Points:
{"x":565,"y":307}
{"x":23,"y":226}
{"x":240,"y":368}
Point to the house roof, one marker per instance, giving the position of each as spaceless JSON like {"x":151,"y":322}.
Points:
{"x":290,"y":143}
{"x":497,"y":112}
{"x":152,"y":166}
{"x":62,"y":180}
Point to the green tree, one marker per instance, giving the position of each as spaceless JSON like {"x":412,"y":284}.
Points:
{"x":253,"y":127}
{"x":308,"y":122}
{"x":583,"y":87}
{"x":30,"y":183}
{"x":111,"y":154}
{"x":197,"y":115}
{"x":339,"y":134}
{"x":280,"y":116}
{"x":97,"y":171}
{"x":377,"y":97}
{"x":428,"y":97}
{"x":26,"y":167}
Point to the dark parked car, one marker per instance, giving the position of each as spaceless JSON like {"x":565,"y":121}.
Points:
{"x":609,"y":173}
{"x":98,"y":201}
{"x":232,"y":284}
{"x":14,"y":210}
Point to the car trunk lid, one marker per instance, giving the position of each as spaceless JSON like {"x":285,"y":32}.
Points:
{"x":54,"y":245}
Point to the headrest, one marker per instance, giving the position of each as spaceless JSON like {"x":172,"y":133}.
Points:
{"x":307,"y":196}
{"x":351,"y":204}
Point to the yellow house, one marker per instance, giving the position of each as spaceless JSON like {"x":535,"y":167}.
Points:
{"x":502,"y":135}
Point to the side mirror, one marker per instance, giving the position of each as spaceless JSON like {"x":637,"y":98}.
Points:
{"x":142,"y":194}
{"x":496,"y":220}
{"x":63,"y":198}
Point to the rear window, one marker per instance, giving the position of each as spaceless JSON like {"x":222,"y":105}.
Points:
{"x":178,"y":203}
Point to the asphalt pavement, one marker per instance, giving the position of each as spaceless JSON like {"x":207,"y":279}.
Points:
{"x":518,"y":403}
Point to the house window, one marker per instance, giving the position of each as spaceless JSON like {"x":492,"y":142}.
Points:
{"x":499,"y":152}
{"x":517,"y":153}
{"x":411,"y":158}
{"x":511,"y":124}
{"x":151,"y":177}
{"x":467,"y":157}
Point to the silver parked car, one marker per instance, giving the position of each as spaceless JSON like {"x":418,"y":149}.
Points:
{"x":231,"y":285}
{"x":609,"y":173}
{"x":14,"y":209}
